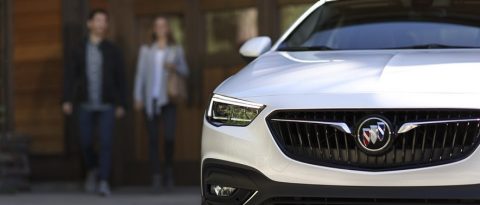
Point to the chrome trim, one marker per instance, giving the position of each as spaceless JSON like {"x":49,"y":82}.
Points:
{"x":406,"y":127}
{"x":338,"y":125}
{"x":251,"y":197}
{"x":237,"y":102}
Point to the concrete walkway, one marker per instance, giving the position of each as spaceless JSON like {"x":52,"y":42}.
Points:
{"x":126,"y":196}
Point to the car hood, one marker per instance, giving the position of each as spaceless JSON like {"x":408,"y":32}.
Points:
{"x":341,"y":72}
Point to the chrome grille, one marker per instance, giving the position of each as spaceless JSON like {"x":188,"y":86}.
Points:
{"x":302,"y":139}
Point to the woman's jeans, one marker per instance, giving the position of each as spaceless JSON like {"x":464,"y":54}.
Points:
{"x":104,"y":121}
{"x":167,"y":117}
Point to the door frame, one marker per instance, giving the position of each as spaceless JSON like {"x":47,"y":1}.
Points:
{"x":6,"y":60}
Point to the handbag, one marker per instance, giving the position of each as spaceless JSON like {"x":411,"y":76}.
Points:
{"x":176,"y":83}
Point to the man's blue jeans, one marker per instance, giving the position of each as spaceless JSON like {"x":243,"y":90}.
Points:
{"x":104,"y":121}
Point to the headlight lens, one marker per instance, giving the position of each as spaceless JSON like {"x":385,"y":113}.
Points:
{"x":226,"y":111}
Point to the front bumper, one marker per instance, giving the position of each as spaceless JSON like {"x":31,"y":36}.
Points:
{"x":256,"y":188}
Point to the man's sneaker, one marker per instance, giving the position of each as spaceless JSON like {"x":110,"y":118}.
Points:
{"x":104,"y":188}
{"x":91,"y":181}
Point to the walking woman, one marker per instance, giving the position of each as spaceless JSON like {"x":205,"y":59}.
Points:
{"x":159,"y":84}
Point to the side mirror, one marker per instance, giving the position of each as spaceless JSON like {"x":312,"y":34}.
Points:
{"x":255,"y":47}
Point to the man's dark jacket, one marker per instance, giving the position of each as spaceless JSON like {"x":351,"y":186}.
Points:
{"x":113,"y":76}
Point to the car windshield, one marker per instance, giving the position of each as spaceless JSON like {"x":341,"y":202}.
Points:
{"x":388,"y":24}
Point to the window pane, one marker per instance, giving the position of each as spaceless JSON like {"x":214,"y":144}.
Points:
{"x":227,"y":30}
{"x":290,"y":13}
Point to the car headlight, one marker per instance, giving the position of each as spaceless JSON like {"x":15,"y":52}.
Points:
{"x":226,"y":111}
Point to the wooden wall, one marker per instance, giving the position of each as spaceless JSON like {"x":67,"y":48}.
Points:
{"x":37,"y":73}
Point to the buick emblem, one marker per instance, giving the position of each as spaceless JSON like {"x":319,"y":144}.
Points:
{"x":374,"y":135}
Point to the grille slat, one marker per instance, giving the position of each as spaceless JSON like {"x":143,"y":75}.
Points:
{"x":337,"y":147}
{"x":318,"y":141}
{"x":346,"y":141}
{"x":292,"y":143}
{"x":454,"y":138}
{"x":478,"y":133}
{"x":445,"y":134}
{"x":328,"y":144}
{"x":426,"y":145}
{"x":404,"y":141}
{"x":433,"y":142}
{"x":464,"y":137}
{"x":425,"y":130}
{"x":307,"y":132}
{"x":414,"y":139}
{"x":317,"y":134}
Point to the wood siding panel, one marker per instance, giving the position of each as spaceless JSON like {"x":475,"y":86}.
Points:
{"x":226,"y":4}
{"x":98,"y":4}
{"x":46,"y":20}
{"x":155,"y":7}
{"x":35,"y":6}
{"x":39,"y":77}
{"x":24,"y":37}
{"x":38,"y":52}
{"x":289,"y":2}
{"x":38,"y":74}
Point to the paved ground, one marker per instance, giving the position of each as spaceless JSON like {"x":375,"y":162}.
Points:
{"x":126,"y":196}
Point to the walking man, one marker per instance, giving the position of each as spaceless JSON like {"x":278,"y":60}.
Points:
{"x":95,"y":87}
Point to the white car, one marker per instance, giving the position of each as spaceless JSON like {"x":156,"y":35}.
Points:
{"x":360,"y":102}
